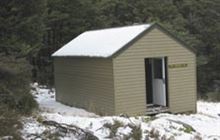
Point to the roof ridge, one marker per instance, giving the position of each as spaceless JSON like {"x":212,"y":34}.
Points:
{"x":126,"y":26}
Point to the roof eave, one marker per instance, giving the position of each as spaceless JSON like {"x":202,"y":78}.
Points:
{"x":80,"y":57}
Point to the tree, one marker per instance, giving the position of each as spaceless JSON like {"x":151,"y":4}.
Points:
{"x":21,"y":26}
{"x":21,"y":31}
{"x":203,"y":23}
{"x":64,"y":21}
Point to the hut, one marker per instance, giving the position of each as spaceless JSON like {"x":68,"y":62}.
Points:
{"x":135,"y":70}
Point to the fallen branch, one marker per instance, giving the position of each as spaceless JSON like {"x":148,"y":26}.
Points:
{"x":65,"y":128}
{"x":35,"y":136}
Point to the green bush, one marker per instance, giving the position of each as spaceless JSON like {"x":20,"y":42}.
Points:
{"x":9,"y":123}
{"x":214,"y":96}
{"x":15,"y":85}
{"x":15,"y":97}
{"x":26,"y":104}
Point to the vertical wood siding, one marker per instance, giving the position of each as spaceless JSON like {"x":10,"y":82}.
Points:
{"x":85,"y":83}
{"x":129,"y":74}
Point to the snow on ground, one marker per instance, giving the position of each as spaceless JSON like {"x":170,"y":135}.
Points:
{"x":209,"y":108}
{"x":47,"y":103}
{"x":206,"y":122}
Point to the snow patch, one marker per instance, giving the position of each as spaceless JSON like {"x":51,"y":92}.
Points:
{"x":206,"y":122}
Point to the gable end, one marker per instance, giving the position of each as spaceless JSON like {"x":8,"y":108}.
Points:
{"x":162,"y":29}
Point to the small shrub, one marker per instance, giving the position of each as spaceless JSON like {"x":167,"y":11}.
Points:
{"x":15,"y":97}
{"x":47,"y":134}
{"x":188,"y":130}
{"x":154,"y":134}
{"x":6,"y":97}
{"x":9,"y":123}
{"x":136,"y":132}
{"x":164,"y":137}
{"x":148,"y":119}
{"x":15,"y":85}
{"x":40,"y":119}
{"x":26,"y":103}
{"x":197,"y":137}
{"x":113,"y":127}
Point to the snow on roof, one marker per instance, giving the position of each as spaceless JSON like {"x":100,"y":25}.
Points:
{"x":101,"y":43}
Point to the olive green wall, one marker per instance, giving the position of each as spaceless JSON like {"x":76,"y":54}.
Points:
{"x":129,"y":74}
{"x":85,"y":83}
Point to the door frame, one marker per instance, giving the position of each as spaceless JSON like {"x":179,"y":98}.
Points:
{"x":149,"y":90}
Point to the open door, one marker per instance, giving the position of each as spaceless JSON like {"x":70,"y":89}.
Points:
{"x":156,"y":82}
{"x":158,"y":79}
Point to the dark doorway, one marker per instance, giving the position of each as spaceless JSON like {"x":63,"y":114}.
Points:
{"x":156,"y":81}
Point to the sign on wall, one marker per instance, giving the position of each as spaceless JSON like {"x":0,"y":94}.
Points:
{"x":183,"y":65}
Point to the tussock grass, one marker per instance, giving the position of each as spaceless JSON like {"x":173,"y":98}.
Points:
{"x":113,"y":128}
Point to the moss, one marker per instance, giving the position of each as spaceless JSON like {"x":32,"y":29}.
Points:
{"x":188,"y":130}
